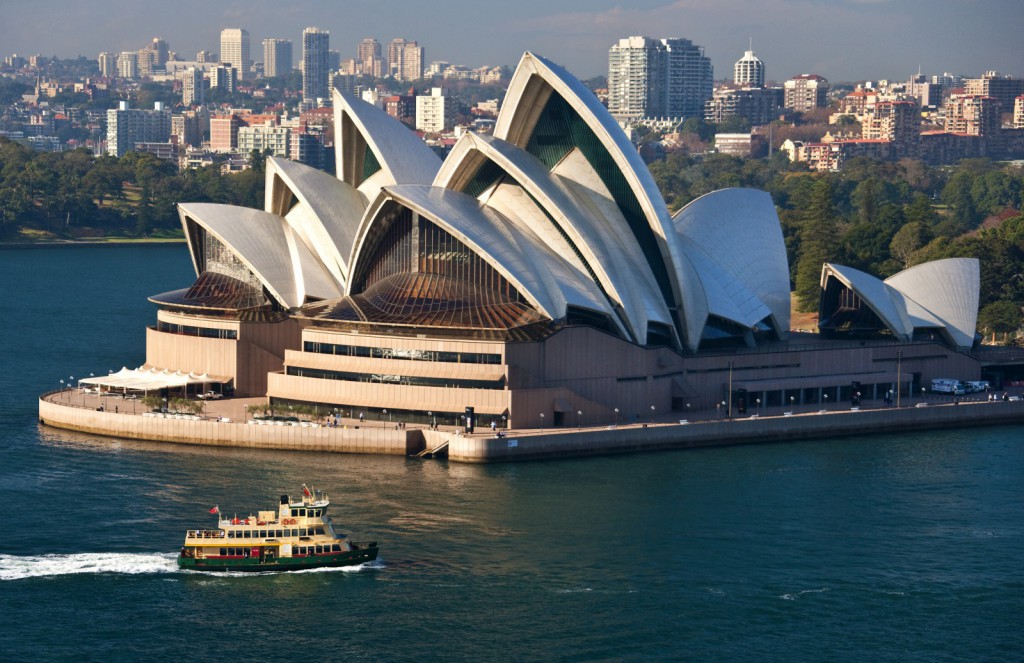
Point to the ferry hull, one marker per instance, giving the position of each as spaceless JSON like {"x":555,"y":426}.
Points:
{"x":350,"y":558}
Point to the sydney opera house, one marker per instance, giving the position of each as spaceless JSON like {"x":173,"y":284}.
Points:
{"x":536,"y":276}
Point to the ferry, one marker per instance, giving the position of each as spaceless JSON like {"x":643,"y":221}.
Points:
{"x":298,"y":536}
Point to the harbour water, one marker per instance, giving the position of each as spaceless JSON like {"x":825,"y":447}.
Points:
{"x":897,"y":548}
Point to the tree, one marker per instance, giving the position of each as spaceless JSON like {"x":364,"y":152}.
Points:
{"x":818,"y":244}
{"x":1001,"y":317}
{"x":910,"y":239}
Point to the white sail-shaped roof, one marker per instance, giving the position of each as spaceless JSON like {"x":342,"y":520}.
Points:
{"x":941,"y":295}
{"x":566,"y":224}
{"x":402,"y":157}
{"x":267,"y":246}
{"x":944,"y":290}
{"x":739,"y":231}
{"x":549,"y":282}
{"x":326,"y":214}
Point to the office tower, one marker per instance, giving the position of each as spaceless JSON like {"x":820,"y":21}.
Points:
{"x":234,"y":50}
{"x":368,"y":55}
{"x":191,"y":86}
{"x":658,"y":78}
{"x":205,"y":56}
{"x":128,"y":126}
{"x":806,"y":92}
{"x":159,"y":47}
{"x":315,"y":65}
{"x":405,"y":60}
{"x":277,"y":57}
{"x":107,"y":64}
{"x":748,"y":70}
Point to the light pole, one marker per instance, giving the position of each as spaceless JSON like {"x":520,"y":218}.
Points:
{"x":922,"y":394}
{"x":652,"y":415}
{"x":758,"y":401}
{"x":504,"y":421}
{"x":383,"y":412}
{"x":728,"y":409}
{"x":792,"y":403}
{"x":825,"y":396}
{"x":245,"y":412}
{"x":62,"y":389}
{"x":724,"y":413}
{"x":433,"y":423}
{"x":687,"y":411}
{"x":542,"y":422}
{"x":899,"y":368}
{"x":579,"y":418}
{"x":616,"y":417}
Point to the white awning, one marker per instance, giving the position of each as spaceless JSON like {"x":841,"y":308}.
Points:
{"x":151,"y":379}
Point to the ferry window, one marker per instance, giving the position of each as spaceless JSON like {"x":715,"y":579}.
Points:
{"x":319,"y":549}
{"x":263,"y":533}
{"x":336,"y":548}
{"x":320,"y":530}
{"x":223,"y":551}
{"x":278,"y":533}
{"x":246,"y":534}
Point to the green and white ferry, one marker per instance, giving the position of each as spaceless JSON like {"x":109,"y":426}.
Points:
{"x":298,"y":536}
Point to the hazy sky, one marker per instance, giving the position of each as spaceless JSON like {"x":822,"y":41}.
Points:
{"x":843,"y":40}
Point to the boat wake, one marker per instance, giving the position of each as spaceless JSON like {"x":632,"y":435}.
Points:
{"x":16,"y":567}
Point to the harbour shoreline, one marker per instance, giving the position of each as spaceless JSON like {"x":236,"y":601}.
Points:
{"x":523,"y":445}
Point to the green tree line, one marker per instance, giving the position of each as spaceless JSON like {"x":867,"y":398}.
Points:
{"x":68,"y":193}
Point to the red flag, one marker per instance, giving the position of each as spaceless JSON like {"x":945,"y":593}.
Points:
{"x":215,"y":509}
{"x":305,"y":490}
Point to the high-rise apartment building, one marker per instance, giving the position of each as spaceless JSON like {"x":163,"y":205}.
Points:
{"x":316,"y":66}
{"x":368,"y":56}
{"x":1018,"y":112}
{"x":758,"y":105}
{"x":234,"y":50}
{"x":806,"y":92}
{"x":748,"y":71}
{"x":128,"y":64}
{"x":973,"y":115}
{"x":405,"y":60}
{"x":435,"y":112}
{"x":107,"y":64}
{"x":263,"y":137}
{"x":1003,"y":89}
{"x":224,"y":77}
{"x":224,"y":133}
{"x":205,"y":56}
{"x":128,"y":126}
{"x":277,"y":57}
{"x":191,"y":86}
{"x":658,"y":78}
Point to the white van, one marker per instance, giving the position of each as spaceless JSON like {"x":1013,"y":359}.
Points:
{"x":977,"y":386}
{"x":948,"y":386}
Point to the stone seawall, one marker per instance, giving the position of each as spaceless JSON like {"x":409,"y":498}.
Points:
{"x":528,"y":445}
{"x":722,"y":433}
{"x":363,"y":440}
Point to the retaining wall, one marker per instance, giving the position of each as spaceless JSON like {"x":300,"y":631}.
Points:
{"x":364,"y":439}
{"x":722,"y":433}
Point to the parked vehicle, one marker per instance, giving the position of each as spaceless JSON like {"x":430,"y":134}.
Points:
{"x":948,"y":386}
{"x":977,"y":386}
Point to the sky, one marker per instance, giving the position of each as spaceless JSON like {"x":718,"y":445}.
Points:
{"x":842,"y":40}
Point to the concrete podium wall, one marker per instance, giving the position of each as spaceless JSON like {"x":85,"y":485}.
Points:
{"x":365,"y":439}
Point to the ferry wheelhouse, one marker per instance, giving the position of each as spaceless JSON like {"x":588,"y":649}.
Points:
{"x":298,"y":536}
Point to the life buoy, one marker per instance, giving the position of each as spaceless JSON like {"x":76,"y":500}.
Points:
{"x":288,"y":521}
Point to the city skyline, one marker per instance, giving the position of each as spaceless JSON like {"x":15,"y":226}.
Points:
{"x":843,"y":45}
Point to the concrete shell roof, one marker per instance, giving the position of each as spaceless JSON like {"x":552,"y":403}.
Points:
{"x":614,"y":257}
{"x":267,"y":246}
{"x":404,"y":158}
{"x":880,"y":298}
{"x":333,"y":212}
{"x":943,"y":290}
{"x":517,"y":119}
{"x":545,"y":279}
{"x":738,"y":231}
